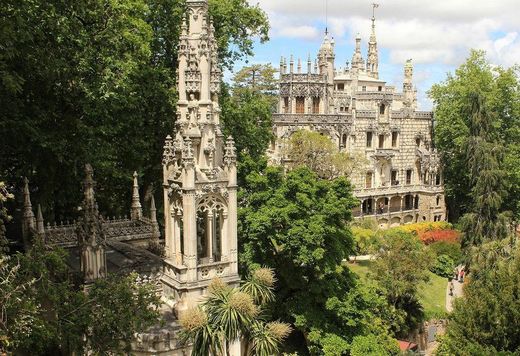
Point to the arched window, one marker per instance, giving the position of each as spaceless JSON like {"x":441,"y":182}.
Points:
{"x":382,"y":109}
{"x":344,"y":140}
{"x":211,"y":214}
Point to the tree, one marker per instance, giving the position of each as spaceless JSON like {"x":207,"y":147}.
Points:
{"x":401,"y":265}
{"x":233,"y":315}
{"x":256,"y":77}
{"x":486,"y":318}
{"x":485,"y":219}
{"x":247,"y":116}
{"x":4,"y":217}
{"x":106,"y":94}
{"x":320,"y":154}
{"x":499,"y":93}
{"x":18,"y":312}
{"x":298,"y":225}
{"x":67,"y":319}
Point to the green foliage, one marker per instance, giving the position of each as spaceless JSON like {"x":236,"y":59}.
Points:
{"x":320,"y":154}
{"x":457,"y":128}
{"x":401,"y":266}
{"x":486,"y":319}
{"x":299,"y":225}
{"x":69,"y":319}
{"x":374,"y":345}
{"x":450,"y":249}
{"x":485,"y":219}
{"x":18,"y":312}
{"x":247,"y":116}
{"x":443,"y":266}
{"x":4,"y":217}
{"x":228,"y":314}
{"x":366,"y":240}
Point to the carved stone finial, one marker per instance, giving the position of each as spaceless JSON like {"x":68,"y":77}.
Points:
{"x":187,"y":153}
{"x":136,"y":212}
{"x":153,"y":218}
{"x":230,"y":156}
{"x":40,"y":226}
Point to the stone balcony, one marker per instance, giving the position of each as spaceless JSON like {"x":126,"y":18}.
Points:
{"x":312,"y":118}
{"x":403,"y":189}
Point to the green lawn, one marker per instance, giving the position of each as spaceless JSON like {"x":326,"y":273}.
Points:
{"x":432,"y":294}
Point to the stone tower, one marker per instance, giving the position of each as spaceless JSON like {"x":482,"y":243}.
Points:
{"x":199,"y":172}
{"x":373,"y":57}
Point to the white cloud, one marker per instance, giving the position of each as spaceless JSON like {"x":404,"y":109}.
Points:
{"x":304,"y":32}
{"x":428,"y":31}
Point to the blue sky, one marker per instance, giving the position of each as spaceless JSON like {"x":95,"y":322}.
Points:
{"x":437,"y":35}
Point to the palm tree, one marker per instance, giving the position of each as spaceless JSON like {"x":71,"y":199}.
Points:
{"x":232,"y":314}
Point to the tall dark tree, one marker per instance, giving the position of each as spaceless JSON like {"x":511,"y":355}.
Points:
{"x":499,"y":90}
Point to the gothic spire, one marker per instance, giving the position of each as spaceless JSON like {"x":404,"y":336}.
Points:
{"x":40,"y":227}
{"x":29,"y":222}
{"x":373,"y":56}
{"x":153,"y":218}
{"x":136,"y":212}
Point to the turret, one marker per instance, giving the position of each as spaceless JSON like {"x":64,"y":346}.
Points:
{"x":326,"y":58}
{"x":358,"y":62}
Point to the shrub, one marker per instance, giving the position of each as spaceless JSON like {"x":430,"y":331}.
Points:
{"x":365,"y":240}
{"x":447,"y":248}
{"x":429,"y":237}
{"x":443,"y":266}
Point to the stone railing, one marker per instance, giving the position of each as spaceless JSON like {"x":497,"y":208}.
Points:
{"x":374,"y":95}
{"x":366,"y":113}
{"x":302,"y":77}
{"x":398,"y":190}
{"x":312,"y":118}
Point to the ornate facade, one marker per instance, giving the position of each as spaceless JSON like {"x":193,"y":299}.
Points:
{"x":402,"y":181}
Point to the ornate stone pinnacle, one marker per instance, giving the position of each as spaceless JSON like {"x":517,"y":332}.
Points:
{"x":136,"y":212}
{"x":88,"y":187}
{"x":187,"y":153}
{"x":230,"y":155}
{"x":40,"y":226}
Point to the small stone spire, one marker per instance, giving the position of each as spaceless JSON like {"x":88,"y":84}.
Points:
{"x":88,"y":187}
{"x":40,"y":226}
{"x":29,"y":222}
{"x":281,"y":65}
{"x":309,"y":64}
{"x":153,"y":218}
{"x":136,"y":211}
{"x":291,"y":64}
{"x":299,"y":65}
{"x":373,"y":56}
{"x":230,"y":155}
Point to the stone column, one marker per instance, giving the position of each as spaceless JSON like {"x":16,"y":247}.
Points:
{"x":177,"y":237}
{"x":210,"y":231}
